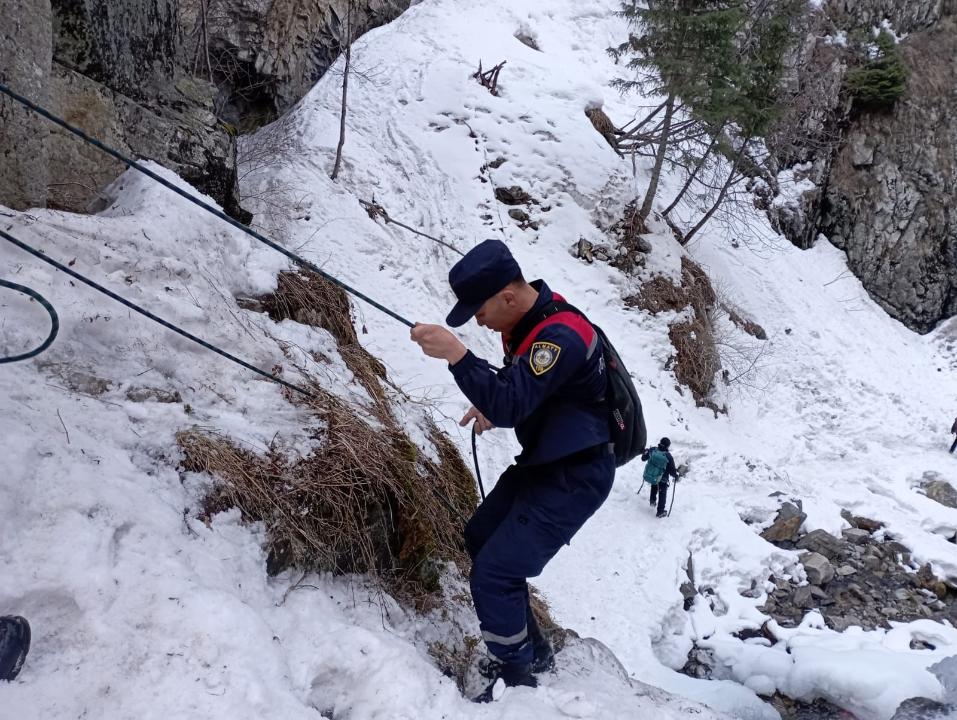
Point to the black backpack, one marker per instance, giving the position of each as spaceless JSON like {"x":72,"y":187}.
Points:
{"x":626,"y":420}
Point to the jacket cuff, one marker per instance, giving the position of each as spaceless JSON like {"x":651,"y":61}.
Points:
{"x":462,"y":365}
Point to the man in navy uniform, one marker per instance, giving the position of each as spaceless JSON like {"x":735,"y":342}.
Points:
{"x":552,"y":391}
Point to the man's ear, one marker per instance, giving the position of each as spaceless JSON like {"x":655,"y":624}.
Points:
{"x":508,"y":296}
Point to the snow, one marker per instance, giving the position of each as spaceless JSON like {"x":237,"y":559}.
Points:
{"x":140,"y":611}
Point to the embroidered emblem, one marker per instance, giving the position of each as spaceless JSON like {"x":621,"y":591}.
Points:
{"x":543,"y":357}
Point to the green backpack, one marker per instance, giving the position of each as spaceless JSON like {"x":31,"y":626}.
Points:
{"x":655,"y":466}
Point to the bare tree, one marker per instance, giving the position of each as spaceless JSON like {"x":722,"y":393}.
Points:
{"x":345,"y":89}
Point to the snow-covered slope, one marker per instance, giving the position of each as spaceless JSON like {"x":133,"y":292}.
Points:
{"x":140,"y":612}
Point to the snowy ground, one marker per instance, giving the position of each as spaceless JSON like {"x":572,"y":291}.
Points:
{"x":139,"y":612}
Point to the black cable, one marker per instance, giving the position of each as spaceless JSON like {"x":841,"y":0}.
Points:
{"x":136,"y":308}
{"x":478,"y":473}
{"x":54,"y":323}
{"x":196,"y":201}
{"x":132,"y":306}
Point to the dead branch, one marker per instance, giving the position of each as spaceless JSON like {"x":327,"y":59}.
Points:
{"x":489,"y":78}
{"x":376,"y":211}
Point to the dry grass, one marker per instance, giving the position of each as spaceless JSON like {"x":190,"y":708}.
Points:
{"x":367,"y":500}
{"x":697,"y":359}
{"x":308,"y":298}
{"x":364,"y":502}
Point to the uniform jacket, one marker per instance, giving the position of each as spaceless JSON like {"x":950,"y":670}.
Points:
{"x":552,"y":388}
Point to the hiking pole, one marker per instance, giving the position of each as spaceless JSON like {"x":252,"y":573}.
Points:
{"x":673,"y":493}
{"x":478,"y":474}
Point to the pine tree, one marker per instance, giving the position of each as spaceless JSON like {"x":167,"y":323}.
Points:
{"x":880,"y":82}
{"x":718,"y":63}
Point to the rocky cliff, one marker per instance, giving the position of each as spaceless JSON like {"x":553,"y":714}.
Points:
{"x":885,"y":178}
{"x":169,"y":80}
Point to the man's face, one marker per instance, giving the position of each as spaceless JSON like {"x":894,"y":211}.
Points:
{"x":499,"y":312}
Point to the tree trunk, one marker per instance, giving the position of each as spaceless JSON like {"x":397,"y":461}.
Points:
{"x":345,"y":90}
{"x":659,"y":160}
{"x":721,"y":195}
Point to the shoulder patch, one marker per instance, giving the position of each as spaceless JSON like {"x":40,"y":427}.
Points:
{"x":543,"y":356}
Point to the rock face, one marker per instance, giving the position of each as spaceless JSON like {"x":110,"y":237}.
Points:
{"x":889,"y":197}
{"x":264,"y":56}
{"x":883,"y":178}
{"x":25,"y":60}
{"x":167,"y":80}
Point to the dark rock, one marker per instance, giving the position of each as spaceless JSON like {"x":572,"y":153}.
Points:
{"x":821,"y":541}
{"x":923,"y":709}
{"x":862,"y":523}
{"x":941,"y":491}
{"x":787,"y":524}
{"x":518,"y":214}
{"x":513,"y":195}
{"x":802,"y":597}
{"x":856,"y":535}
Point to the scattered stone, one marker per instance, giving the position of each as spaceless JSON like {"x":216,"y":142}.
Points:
{"x":889,"y":611}
{"x":700,"y":664}
{"x":818,"y":568}
{"x":862,"y":523}
{"x":513,"y":195}
{"x":856,"y":535}
{"x":518,"y":214}
{"x":802,"y":597}
{"x":821,"y":541}
{"x":142,"y":394}
{"x":926,"y":579}
{"x":845,"y":570}
{"x":923,"y":709}
{"x":818,"y":593}
{"x":840,"y":623}
{"x":786,"y":526}
{"x":941,"y":491}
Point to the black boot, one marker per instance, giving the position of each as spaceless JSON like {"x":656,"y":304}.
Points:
{"x":544,"y":658}
{"x":513,"y":675}
{"x":14,"y":645}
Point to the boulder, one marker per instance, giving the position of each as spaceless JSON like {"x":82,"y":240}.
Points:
{"x":821,"y":541}
{"x":787,"y":524}
{"x":941,"y":491}
{"x":818,"y":568}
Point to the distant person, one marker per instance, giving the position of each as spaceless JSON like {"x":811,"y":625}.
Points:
{"x":953,"y":430}
{"x":659,"y":467}
{"x":14,"y":645}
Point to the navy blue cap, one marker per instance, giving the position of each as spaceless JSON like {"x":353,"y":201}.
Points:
{"x":484,"y":271}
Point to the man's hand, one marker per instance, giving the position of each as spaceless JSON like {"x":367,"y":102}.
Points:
{"x":481,"y":422}
{"x":438,"y":342}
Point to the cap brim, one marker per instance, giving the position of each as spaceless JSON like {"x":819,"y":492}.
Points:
{"x":462,"y":313}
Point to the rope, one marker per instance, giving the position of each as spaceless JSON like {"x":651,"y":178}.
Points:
{"x":54,"y":323}
{"x":146,"y":313}
{"x":170,"y":326}
{"x":302,"y":262}
{"x":478,"y":473}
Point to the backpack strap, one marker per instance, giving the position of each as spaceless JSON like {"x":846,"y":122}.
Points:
{"x":563,"y":313}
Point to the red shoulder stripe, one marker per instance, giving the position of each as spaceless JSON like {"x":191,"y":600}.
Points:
{"x":567,"y":318}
